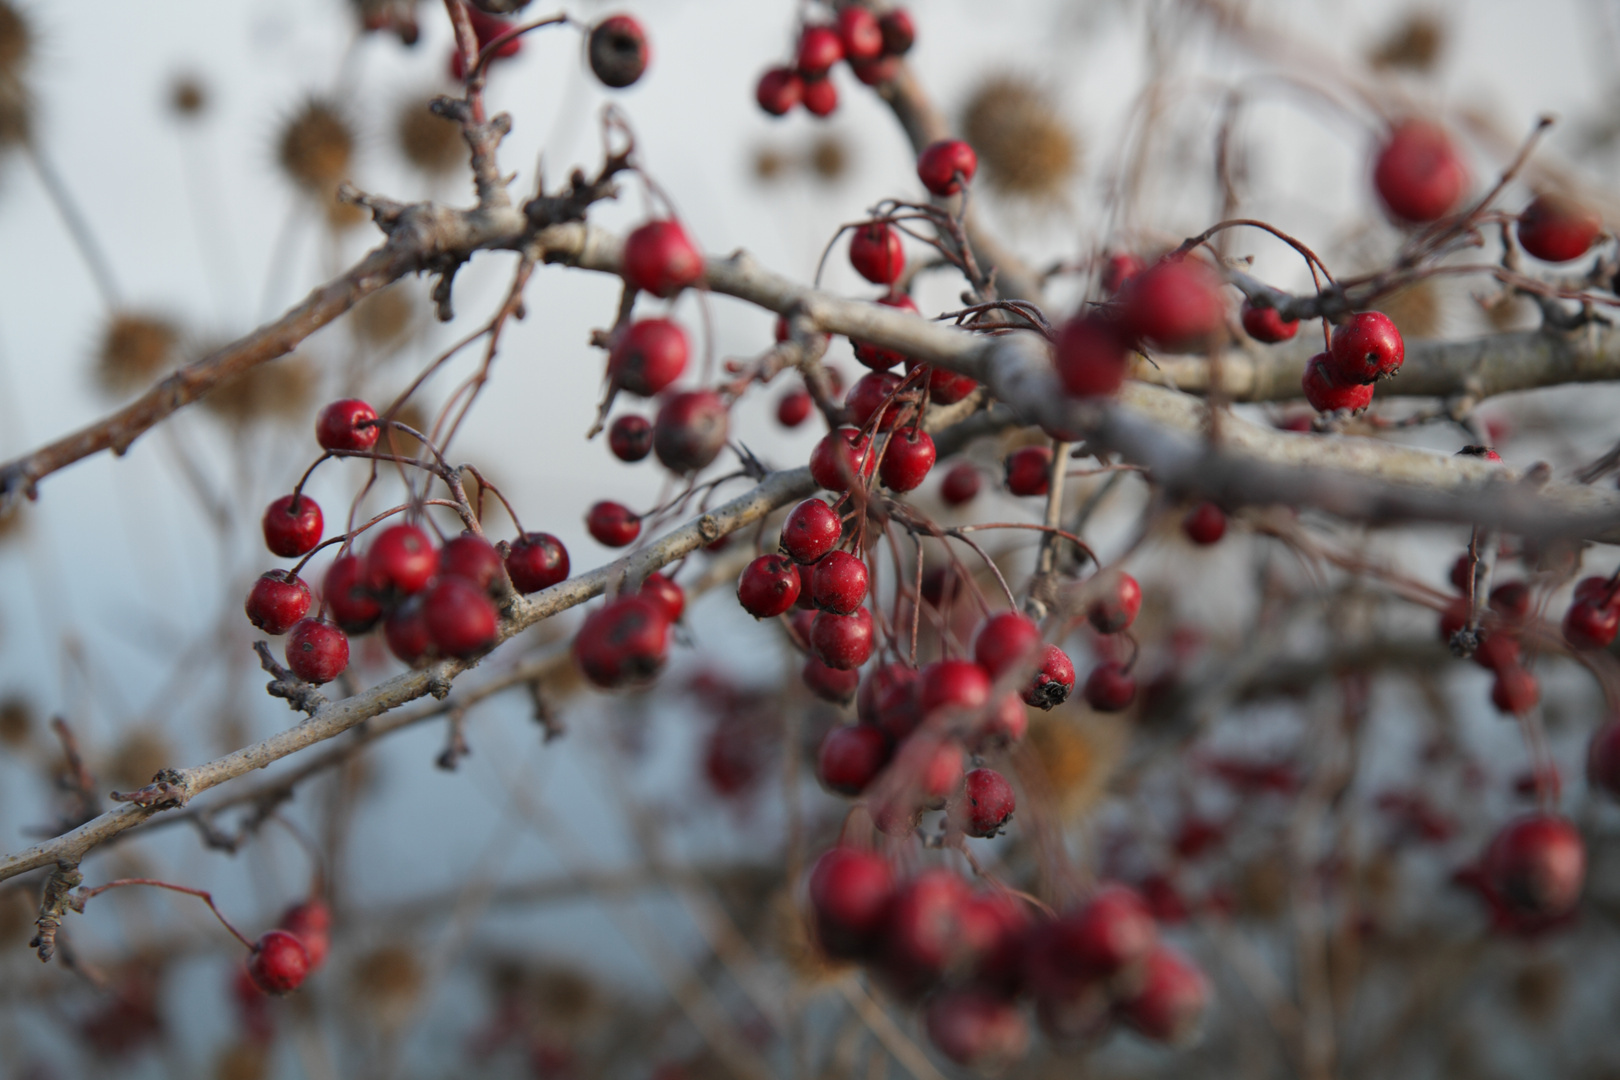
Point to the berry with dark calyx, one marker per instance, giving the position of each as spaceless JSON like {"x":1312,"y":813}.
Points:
{"x":1511,"y":600}
{"x":473,"y":559}
{"x":987,"y":803}
{"x":1116,"y":605}
{"x":960,"y":486}
{"x":922,"y":937}
{"x":350,"y":424}
{"x":1091,"y":356}
{"x":870,"y":393}
{"x":1555,"y":228}
{"x":1053,"y":682}
{"x":977,"y":1029}
{"x":623,"y":643}
{"x":1326,"y":394}
{"x":843,"y":456}
{"x":850,"y":758}
{"x":899,"y":33}
{"x":811,"y":530}
{"x":317,"y":651}
{"x":820,"y":96}
{"x":1591,"y":624}
{"x":311,"y":923}
{"x":1204,"y":524}
{"x":670,"y":597}
{"x":1171,"y":999}
{"x":406,"y":630}
{"x":819,"y":49}
{"x":794,"y":408}
{"x":1176,"y":304}
{"x":460,"y":618}
{"x":401,"y":560}
{"x":1029,"y":470}
{"x":1365,"y":348}
{"x":860,"y":34}
{"x":907,"y":459}
{"x":1266,"y":326}
{"x":648,"y":356}
{"x":838,"y":583}
{"x":850,"y":892}
{"x":289,"y":530}
{"x":613,"y":524}
{"x":691,"y":430}
{"x":630,"y":438}
{"x":875,"y":356}
{"x":1536,"y":865}
{"x":829,"y":684}
{"x":618,"y":51}
{"x":778,"y":90}
{"x":660,"y":259}
{"x":1007,"y":725}
{"x":945,"y":387}
{"x":946,"y":165}
{"x":960,"y":685}
{"x":277,"y":601}
{"x":1006,"y":641}
{"x":1418,"y":174}
{"x":1603,"y":759}
{"x":842,"y":641}
{"x":768,"y":586}
{"x":536,"y":561}
{"x":279,"y":962}
{"x":1515,"y":691}
{"x":1110,"y":687}
{"x":875,"y":250}
{"x":350,"y":603}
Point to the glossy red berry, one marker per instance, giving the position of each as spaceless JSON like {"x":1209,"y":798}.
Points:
{"x":406,"y":630}
{"x":960,"y":486}
{"x":311,"y":923}
{"x":907,"y":459}
{"x":875,"y":250}
{"x":850,"y":892}
{"x":793,"y":408}
{"x":778,"y":90}
{"x":537,"y":561}
{"x":842,"y":641}
{"x":401,"y":560}
{"x":1555,"y":228}
{"x":1006,"y":641}
{"x":630,"y":438}
{"x":622,"y":643}
{"x":1266,"y":326}
{"x":945,"y":166}
{"x":317,"y":651}
{"x":1418,"y":174}
{"x":460,"y":618}
{"x":811,"y":530}
{"x":820,"y":96}
{"x":289,"y":530}
{"x":1116,"y":605}
{"x":350,"y":424}
{"x":850,"y":758}
{"x":279,"y":962}
{"x":277,"y":601}
{"x":1603,"y":759}
{"x":1029,"y":470}
{"x":980,"y":1030}
{"x":987,"y":803}
{"x":1537,"y":865}
{"x":960,"y":685}
{"x":670,"y":597}
{"x":819,"y":49}
{"x":350,"y":603}
{"x":859,"y":34}
{"x":875,"y":356}
{"x":1591,"y":624}
{"x":1091,"y":356}
{"x":1170,"y":1000}
{"x":838,"y":583}
{"x":472,"y":558}
{"x":899,"y":32}
{"x":871,"y":393}
{"x":945,"y":387}
{"x":768,"y":586}
{"x":1366,"y":347}
{"x":1053,"y":682}
{"x":1204,"y":524}
{"x":660,"y":259}
{"x":613,"y":524}
{"x":1326,"y":394}
{"x":648,"y":356}
{"x":1110,"y":687}
{"x":1176,"y":304}
{"x":842,"y":457}
{"x":691,"y":430}
{"x":1515,"y":691}
{"x":618,"y":51}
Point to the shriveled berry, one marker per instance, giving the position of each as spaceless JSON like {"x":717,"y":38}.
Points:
{"x":1266,"y":326}
{"x":1116,"y":605}
{"x":1171,"y":999}
{"x":778,"y":90}
{"x":279,"y":962}
{"x":1204,"y":524}
{"x":1006,"y":641}
{"x":1556,"y":228}
{"x":460,"y":618}
{"x":406,"y":630}
{"x":877,"y":357}
{"x":1053,"y":681}
{"x":987,"y":803}
{"x":875,"y":250}
{"x":899,"y":33}
{"x":1176,"y":304}
{"x":1537,"y":865}
{"x":907,"y":459}
{"x":669,"y":596}
{"x":660,"y":259}
{"x":1091,"y":356}
{"x":960,"y":485}
{"x":820,"y":96}
{"x":811,"y":530}
{"x":960,"y":685}
{"x":351,"y":604}
{"x":622,"y":643}
{"x":819,"y":49}
{"x":1364,"y":348}
{"x":691,"y":430}
{"x":630,"y":438}
{"x":842,"y":641}
{"x":618,"y":51}
{"x":850,"y":758}
{"x":349,"y":424}
{"x":870,"y":393}
{"x":401,"y":560}
{"x":473,"y":559}
{"x":981,"y":1030}
{"x":850,"y":892}
{"x":945,"y":166}
{"x":537,"y":561}
{"x":613,"y":524}
{"x":649,"y":355}
{"x":829,"y":684}
{"x":860,"y":34}
{"x":768,"y":586}
{"x":292,"y":530}
{"x":1326,"y":394}
{"x":1110,"y":687}
{"x":793,"y":408}
{"x":1515,"y":691}
{"x":1029,"y":470}
{"x":1418,"y":174}
{"x":842,"y":457}
{"x":838,"y":583}
{"x":277,"y":601}
{"x":317,"y":651}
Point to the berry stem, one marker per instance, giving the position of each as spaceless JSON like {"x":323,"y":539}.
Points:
{"x":205,"y":897}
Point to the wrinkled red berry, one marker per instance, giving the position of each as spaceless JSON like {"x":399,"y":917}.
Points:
{"x":1364,"y":348}
{"x":987,"y":802}
{"x":291,"y":531}
{"x":317,"y":651}
{"x":1053,"y":681}
{"x":277,"y":600}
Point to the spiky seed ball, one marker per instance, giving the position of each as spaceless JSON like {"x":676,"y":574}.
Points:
{"x":281,"y":390}
{"x":829,"y":159}
{"x":427,"y":140}
{"x":135,"y":348}
{"x":188,"y":97}
{"x":316,"y":147}
{"x":1024,"y":146}
{"x":15,"y":40}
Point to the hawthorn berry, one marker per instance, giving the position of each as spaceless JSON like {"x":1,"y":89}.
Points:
{"x":819,"y":49}
{"x":1591,"y":623}
{"x":779,"y":89}
{"x":1204,"y":524}
{"x":946,"y":165}
{"x":1496,"y":651}
{"x":875,"y":250}
{"x":279,"y":963}
{"x":1007,"y":725}
{"x":952,"y":684}
{"x":660,"y":259}
{"x":1110,"y":687}
{"x":768,"y":586}
{"x":1515,"y":690}
{"x":618,"y":51}
{"x":945,"y":387}
{"x":1170,"y":1000}
{"x":460,"y":618}
{"x":350,"y":603}
{"x":987,"y":803}
{"x":1029,"y":470}
{"x":899,"y":33}
{"x":793,"y":408}
{"x":872,"y":701}
{"x":311,"y":923}
{"x":922,"y":937}
{"x":1418,"y":173}
{"x":648,"y":356}
{"x":1266,"y":326}
{"x":850,"y":758}
{"x":842,"y":456}
{"x":1091,"y":356}
{"x":842,"y":641}
{"x":811,"y":530}
{"x":1511,"y":600}
{"x":875,"y":72}
{"x":613,"y":524}
{"x":1537,"y":865}
{"x":875,"y":356}
{"x":277,"y":600}
{"x":1555,"y":228}
{"x":1603,"y":759}
{"x":1176,"y":304}
{"x":624,"y":642}
{"x":1006,"y":640}
{"x":1364,"y":348}
{"x":1119,"y":270}
{"x":292,"y":530}
{"x":691,"y":430}
{"x":850,"y":892}
{"x":1112,"y":931}
{"x":829,"y":684}
{"x":630,"y":438}
{"x":350,"y":425}
{"x":486,"y":28}
{"x":1116,"y":606}
{"x":536,"y":561}
{"x":1328,"y":395}
{"x":471,"y":558}
{"x":870,"y":393}
{"x":960,"y":485}
{"x":820,"y":96}
{"x":907,"y":459}
{"x":401,"y":560}
{"x":981,"y":1030}
{"x":317,"y":650}
{"x":1053,"y":682}
{"x":669,"y":597}
{"x":859,"y":34}
{"x":838,"y":583}
{"x":405,"y":629}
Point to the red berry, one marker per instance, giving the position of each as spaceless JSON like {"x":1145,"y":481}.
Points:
{"x":977,"y":1029}
{"x":1366,"y":347}
{"x":1171,"y":999}
{"x":1327,"y":395}
{"x":884,"y":680}
{"x":618,"y":51}
{"x":624,"y":642}
{"x":907,"y":459}
{"x":1007,"y":725}
{"x":841,"y":457}
{"x":1029,"y":470}
{"x":648,"y":356}
{"x":317,"y":651}
{"x":658,"y":258}
{"x":952,"y":684}
{"x":1116,"y":607}
{"x":860,"y":34}
{"x":811,"y":530}
{"x":945,"y":166}
{"x":1419,"y":174}
{"x":1091,"y":356}
{"x":819,"y":49}
{"x":351,"y":604}
{"x":1120,"y":268}
{"x":537,"y":561}
{"x":473,"y":559}
{"x":820,"y":97}
{"x":870,"y":393}
{"x":875,"y":250}
{"x":842,"y":641}
{"x":1054,"y":680}
{"x":277,"y":601}
{"x":875,"y":72}
{"x":1112,"y":931}
{"x":1110,"y":687}
{"x":1603,"y":759}
{"x":829,"y":684}
{"x":960,"y":485}
{"x":279,"y":962}
{"x":1511,"y":600}
{"x":875,"y":356}
{"x":401,"y":560}
{"x":768,"y":586}
{"x":793,"y":408}
{"x":1537,"y":865}
{"x":630,"y":438}
{"x":670,"y":597}
{"x":691,"y":430}
{"x":1176,"y":304}
{"x":406,"y":630}
{"x":1591,"y":624}
{"x":1554,"y":228}
{"x":851,"y":757}
{"x":1006,"y":641}
{"x":613,"y":524}
{"x":347,"y":425}
{"x":922,"y":937}
{"x":987,"y":803}
{"x":460,"y":619}
{"x":311,"y":923}
{"x":1204,"y":524}
{"x":1266,"y":326}
{"x":850,"y":892}
{"x":291,"y":531}
{"x":898,"y":31}
{"x":1496,"y":651}
{"x":779,"y":89}
{"x":838,"y":583}
{"x":945,"y":387}
{"x":1515,"y":691}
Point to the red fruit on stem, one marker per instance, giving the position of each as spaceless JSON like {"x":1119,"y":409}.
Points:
{"x":1603,"y":759}
{"x":1591,"y":624}
{"x":794,"y":408}
{"x":875,"y":72}
{"x":277,"y":601}
{"x":850,"y":892}
{"x":838,"y":583}
{"x":946,"y":165}
{"x":691,"y":430}
{"x":1327,"y":395}
{"x":1537,"y":865}
{"x":289,"y":530}
{"x":311,"y":923}
{"x":1007,"y":725}
{"x":1264,"y":325}
{"x":660,"y":259}
{"x":1053,"y":682}
{"x":819,"y":49}
{"x":874,"y":356}
{"x":622,"y":643}
{"x":860,"y":34}
{"x":899,"y":33}
{"x":977,"y":1029}
{"x":1496,"y":651}
{"x":1120,"y":268}
{"x":1171,"y":999}
{"x":1112,"y":931}
{"x":922,"y":937}
{"x":618,"y":51}
{"x":945,"y":387}
{"x":851,"y":757}
{"x":842,"y":457}
{"x":1554,"y":228}
{"x":279,"y":962}
{"x":884,"y":680}
{"x":1204,"y":524}
{"x":401,"y":560}
{"x":907,"y":460}
{"x":1515,"y":691}
{"x":669,"y":597}
{"x":317,"y":651}
{"x":829,"y":684}
{"x":1365,"y":348}
{"x":406,"y":630}
{"x":473,"y":559}
{"x":1091,"y":356}
{"x":842,"y":641}
{"x":351,"y":604}
{"x":875,"y":250}
{"x":1116,"y":607}
{"x":630,"y":438}
{"x":987,"y":803}
{"x":1006,"y":641}
{"x":648,"y":356}
{"x":870,"y":393}
{"x":768,"y":586}
{"x":820,"y":97}
{"x":1029,"y":470}
{"x":779,"y":89}
{"x":1418,"y":174}
{"x":1176,"y":304}
{"x":1110,"y":687}
{"x":613,"y":524}
{"x":952,"y":684}
{"x":460,"y":619}
{"x":537,"y":561}
{"x":350,"y":425}
{"x":811,"y":530}
{"x":960,"y":485}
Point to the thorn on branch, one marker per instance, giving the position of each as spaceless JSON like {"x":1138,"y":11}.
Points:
{"x":54,"y":904}
{"x":300,"y":695}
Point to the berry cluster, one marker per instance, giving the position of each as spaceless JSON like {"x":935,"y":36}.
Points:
{"x":871,"y":44}
{"x":283,"y":958}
